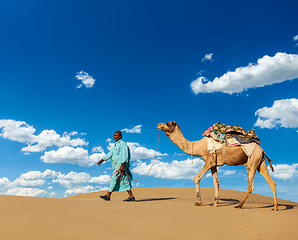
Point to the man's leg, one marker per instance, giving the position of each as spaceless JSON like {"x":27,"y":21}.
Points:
{"x":130,"y":193}
{"x":109,"y":194}
{"x":111,"y":188}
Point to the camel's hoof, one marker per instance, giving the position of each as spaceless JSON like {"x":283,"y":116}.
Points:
{"x":274,"y":209}
{"x":198,"y":203}
{"x":238,"y":207}
{"x":214,"y":205}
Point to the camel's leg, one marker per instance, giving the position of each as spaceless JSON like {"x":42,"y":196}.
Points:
{"x":197,"y":180}
{"x":216,"y":186}
{"x":264,"y":172}
{"x":251,"y":175}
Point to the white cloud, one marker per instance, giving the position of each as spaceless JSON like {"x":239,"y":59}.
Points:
{"x":267,"y":71}
{"x":98,"y":149}
{"x":32,"y":192}
{"x":285,"y":171}
{"x":207,"y":57}
{"x":72,"y":179}
{"x":33,"y":178}
{"x":72,"y":155}
{"x":229,"y":172}
{"x":200,"y":72}
{"x":102,"y":179}
{"x":283,"y":113}
{"x":79,"y":190}
{"x":27,"y":183}
{"x":30,"y":183}
{"x":174,"y":170}
{"x":136,"y":129}
{"x":48,"y":138}
{"x":295,"y":38}
{"x":4,"y":182}
{"x":77,"y":183}
{"x":22,"y":132}
{"x":18,"y":131}
{"x":138,"y":152}
{"x":87,"y":80}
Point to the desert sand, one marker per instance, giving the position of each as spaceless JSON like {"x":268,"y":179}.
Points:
{"x":158,"y":213}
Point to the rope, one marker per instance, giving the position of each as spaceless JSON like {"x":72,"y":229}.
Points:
{"x":152,"y":161}
{"x":120,"y":173}
{"x":192,"y":153}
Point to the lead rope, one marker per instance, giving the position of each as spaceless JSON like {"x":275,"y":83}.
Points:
{"x":192,"y":153}
{"x":152,"y":161}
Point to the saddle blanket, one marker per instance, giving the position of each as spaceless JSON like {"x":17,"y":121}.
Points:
{"x":221,"y":131}
{"x":213,"y":145}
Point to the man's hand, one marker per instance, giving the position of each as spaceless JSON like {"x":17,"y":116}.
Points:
{"x":122,"y":167}
{"x":100,"y":162}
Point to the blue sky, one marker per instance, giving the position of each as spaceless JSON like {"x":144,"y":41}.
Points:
{"x":74,"y":72}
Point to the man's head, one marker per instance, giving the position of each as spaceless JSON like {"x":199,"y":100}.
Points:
{"x":117,"y":136}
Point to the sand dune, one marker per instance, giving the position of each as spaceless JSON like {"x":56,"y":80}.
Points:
{"x":158,"y":213}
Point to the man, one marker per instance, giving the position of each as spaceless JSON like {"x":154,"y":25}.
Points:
{"x":121,"y":176}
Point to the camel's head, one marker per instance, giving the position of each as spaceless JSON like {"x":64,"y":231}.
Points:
{"x":167,"y":127}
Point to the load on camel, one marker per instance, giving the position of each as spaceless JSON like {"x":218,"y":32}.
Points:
{"x":218,"y":149}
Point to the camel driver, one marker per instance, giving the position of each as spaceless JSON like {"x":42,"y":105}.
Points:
{"x":121,"y":176}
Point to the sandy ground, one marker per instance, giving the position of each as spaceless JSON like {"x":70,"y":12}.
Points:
{"x":158,"y":213}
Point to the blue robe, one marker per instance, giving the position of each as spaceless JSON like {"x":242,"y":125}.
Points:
{"x":120,"y":154}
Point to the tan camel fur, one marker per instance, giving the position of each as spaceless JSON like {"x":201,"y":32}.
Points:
{"x":232,"y":156}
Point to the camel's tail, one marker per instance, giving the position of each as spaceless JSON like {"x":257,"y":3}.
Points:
{"x":269,"y":160}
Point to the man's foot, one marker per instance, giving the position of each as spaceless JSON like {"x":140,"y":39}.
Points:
{"x":105,"y":197}
{"x":129,"y":199}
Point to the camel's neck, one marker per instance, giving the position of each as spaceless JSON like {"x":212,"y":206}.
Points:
{"x":185,"y":145}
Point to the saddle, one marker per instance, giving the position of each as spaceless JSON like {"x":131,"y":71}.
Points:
{"x":222,"y":132}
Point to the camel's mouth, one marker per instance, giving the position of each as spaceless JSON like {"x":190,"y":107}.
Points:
{"x":160,"y":126}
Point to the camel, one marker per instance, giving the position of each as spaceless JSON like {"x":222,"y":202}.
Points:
{"x":232,"y":156}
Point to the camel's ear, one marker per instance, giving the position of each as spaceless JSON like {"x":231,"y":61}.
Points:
{"x":173,"y":123}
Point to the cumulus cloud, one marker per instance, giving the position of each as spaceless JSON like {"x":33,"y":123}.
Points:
{"x":22,"y":132}
{"x":98,"y":149}
{"x":72,"y":155}
{"x":136,"y":129}
{"x":267,"y":71}
{"x":18,"y":131}
{"x":28,"y":184}
{"x":295,"y":38}
{"x":138,"y":152}
{"x":102,"y":179}
{"x":229,"y":172}
{"x":72,"y":179}
{"x":283,"y":113}
{"x":173,"y":170}
{"x":86,"y":79}
{"x":207,"y":57}
{"x":77,"y":183}
{"x":285,"y":171}
{"x":32,"y":192}
{"x":48,"y":138}
{"x":79,"y":190}
{"x":32,"y":182}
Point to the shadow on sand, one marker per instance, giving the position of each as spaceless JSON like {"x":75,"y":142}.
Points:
{"x":155,"y":199}
{"x":281,"y":207}
{"x":227,"y":202}
{"x":223,"y":202}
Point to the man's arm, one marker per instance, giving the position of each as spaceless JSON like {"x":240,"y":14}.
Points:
{"x":106,"y":157}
